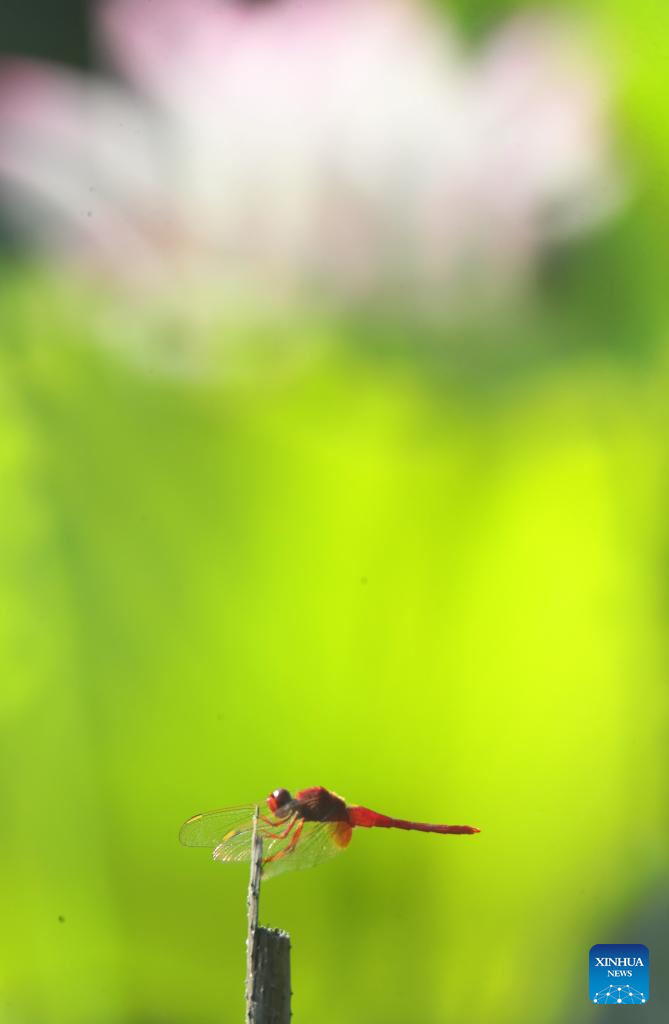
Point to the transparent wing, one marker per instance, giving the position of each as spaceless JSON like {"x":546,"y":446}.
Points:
{"x":316,"y":842}
{"x":288,"y":845}
{"x":210,"y":828}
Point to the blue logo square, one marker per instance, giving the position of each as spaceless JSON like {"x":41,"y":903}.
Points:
{"x":619,"y":974}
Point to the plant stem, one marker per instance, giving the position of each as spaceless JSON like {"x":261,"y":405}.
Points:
{"x":267,"y":954}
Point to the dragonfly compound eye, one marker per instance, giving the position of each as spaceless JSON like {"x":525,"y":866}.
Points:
{"x":279,"y":798}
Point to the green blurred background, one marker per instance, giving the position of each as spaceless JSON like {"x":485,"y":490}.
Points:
{"x":432,"y":578}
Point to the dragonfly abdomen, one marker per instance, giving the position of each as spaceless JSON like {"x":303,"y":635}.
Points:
{"x":367,"y":818}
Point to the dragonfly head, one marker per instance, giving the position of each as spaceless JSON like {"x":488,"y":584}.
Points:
{"x":279,"y":802}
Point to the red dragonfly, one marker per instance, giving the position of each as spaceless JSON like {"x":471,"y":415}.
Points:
{"x":300,"y":831}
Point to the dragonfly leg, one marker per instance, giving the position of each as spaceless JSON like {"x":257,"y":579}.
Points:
{"x":295,"y":838}
{"x":274,"y":824}
{"x":291,"y":845}
{"x":286,"y":831}
{"x":282,"y":835}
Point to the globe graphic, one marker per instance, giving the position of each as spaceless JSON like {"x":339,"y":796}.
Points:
{"x":620,"y":994}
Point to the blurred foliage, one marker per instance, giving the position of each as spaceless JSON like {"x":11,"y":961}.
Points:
{"x":429,"y":573}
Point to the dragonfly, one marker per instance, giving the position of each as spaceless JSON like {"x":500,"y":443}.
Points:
{"x":298,"y":831}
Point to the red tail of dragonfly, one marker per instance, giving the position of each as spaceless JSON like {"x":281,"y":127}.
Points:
{"x":300,"y":831}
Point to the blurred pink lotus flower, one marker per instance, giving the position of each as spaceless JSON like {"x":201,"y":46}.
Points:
{"x":308,"y":151}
